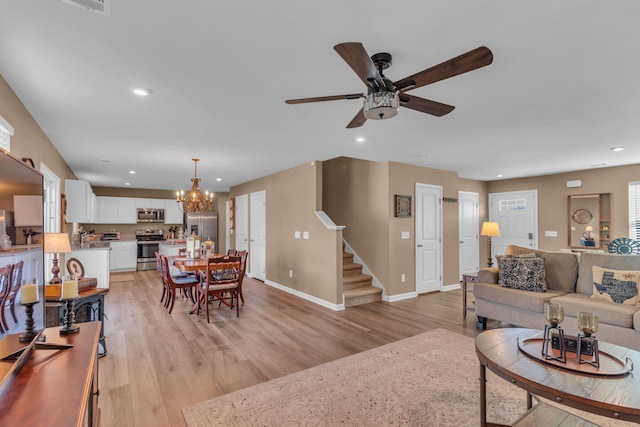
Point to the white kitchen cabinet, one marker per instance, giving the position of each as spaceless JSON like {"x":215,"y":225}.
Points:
{"x":95,"y":262}
{"x":32,"y":269}
{"x":116,"y":210}
{"x":80,"y":201}
{"x":149,"y":203}
{"x":172,"y":212}
{"x":124,"y":256}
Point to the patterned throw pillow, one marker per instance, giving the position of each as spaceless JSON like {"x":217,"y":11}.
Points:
{"x":524,"y":272}
{"x":619,"y":286}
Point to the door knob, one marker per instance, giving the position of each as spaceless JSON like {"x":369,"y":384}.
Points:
{"x":419,"y":246}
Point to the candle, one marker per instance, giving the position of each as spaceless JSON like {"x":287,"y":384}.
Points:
{"x":69,"y":289}
{"x":29,"y":294}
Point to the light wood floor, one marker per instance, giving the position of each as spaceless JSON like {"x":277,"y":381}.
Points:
{"x":158,"y":363}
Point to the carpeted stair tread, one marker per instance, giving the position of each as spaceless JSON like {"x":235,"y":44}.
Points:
{"x":351,"y":269}
{"x":356,"y":278}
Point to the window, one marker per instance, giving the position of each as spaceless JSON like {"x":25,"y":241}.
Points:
{"x":6,"y":130}
{"x":512,"y":205}
{"x":634,"y":210}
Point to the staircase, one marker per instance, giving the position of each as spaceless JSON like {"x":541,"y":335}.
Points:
{"x":357,"y":289}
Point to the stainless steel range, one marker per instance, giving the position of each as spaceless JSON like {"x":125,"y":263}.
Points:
{"x":148,"y":245}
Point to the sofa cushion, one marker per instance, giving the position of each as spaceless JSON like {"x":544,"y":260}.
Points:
{"x":525,"y":272}
{"x":619,"y":286}
{"x":608,"y":261}
{"x":561,"y":268}
{"x":609,"y":313}
{"x":525,"y":300}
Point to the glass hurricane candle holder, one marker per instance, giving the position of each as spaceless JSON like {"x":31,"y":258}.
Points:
{"x":588,"y":324}
{"x":554,"y":314}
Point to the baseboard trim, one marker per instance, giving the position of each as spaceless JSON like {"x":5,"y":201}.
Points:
{"x":305,"y":296}
{"x":399,"y":297}
{"x":447,"y":288}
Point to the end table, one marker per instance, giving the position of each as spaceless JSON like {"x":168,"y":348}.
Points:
{"x":467,"y":278}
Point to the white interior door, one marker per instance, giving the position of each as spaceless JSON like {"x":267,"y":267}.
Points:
{"x":257,"y":240}
{"x":468,"y":223}
{"x":517,"y":216}
{"x":242,"y":223}
{"x":428,"y":238}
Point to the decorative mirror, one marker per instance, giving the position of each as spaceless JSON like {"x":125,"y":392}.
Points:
{"x":589,"y":220}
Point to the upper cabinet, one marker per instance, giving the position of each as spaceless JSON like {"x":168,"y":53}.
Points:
{"x":172,"y":212}
{"x":589,"y":220}
{"x":116,"y":210}
{"x":80,"y":201}
{"x":149,"y":203}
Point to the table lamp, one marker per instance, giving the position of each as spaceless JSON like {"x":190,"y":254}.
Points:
{"x":490,"y":229}
{"x":56,"y":243}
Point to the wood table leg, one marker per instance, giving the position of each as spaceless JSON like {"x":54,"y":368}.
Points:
{"x":464,"y":297}
{"x":483,"y":396}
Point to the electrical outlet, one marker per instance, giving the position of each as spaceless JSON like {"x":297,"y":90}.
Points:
{"x":290,"y":273}
{"x":402,"y":278}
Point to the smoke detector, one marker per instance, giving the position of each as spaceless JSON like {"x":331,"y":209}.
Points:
{"x":101,"y":7}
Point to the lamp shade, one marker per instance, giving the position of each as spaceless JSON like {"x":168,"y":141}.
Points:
{"x":56,"y":243}
{"x":490,"y":229}
{"x":589,"y":228}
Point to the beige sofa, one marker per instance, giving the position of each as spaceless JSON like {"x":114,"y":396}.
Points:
{"x":569,"y":282}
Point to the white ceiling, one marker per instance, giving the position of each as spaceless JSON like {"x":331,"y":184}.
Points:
{"x":562,"y":89}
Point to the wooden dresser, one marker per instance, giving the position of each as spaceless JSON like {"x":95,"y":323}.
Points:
{"x":56,"y":387}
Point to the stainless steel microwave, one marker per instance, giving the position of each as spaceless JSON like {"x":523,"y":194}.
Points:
{"x":150,"y":215}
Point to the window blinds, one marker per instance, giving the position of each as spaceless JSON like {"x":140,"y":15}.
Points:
{"x":634,"y":210}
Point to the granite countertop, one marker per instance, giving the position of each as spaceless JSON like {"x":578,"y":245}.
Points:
{"x":19,"y":248}
{"x":90,"y":245}
{"x":174,"y":242}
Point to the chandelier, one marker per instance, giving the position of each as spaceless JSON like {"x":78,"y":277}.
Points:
{"x":195,"y":200}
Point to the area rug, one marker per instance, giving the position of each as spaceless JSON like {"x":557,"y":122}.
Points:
{"x":430,"y":379}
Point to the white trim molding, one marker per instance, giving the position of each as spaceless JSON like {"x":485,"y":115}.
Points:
{"x":328,"y":222}
{"x":315,"y":300}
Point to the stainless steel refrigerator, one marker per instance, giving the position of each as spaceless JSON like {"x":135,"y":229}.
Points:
{"x":204,"y":225}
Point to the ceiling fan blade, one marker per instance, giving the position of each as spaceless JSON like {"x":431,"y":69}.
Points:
{"x":358,"y":59}
{"x":425,"y":105}
{"x":324,"y":98}
{"x":466,"y":62}
{"x":358,"y":120}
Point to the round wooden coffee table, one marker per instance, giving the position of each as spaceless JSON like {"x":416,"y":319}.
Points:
{"x":613,"y":396}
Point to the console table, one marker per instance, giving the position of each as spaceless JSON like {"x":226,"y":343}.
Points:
{"x":467,"y":278}
{"x":55,"y":387}
{"x":612,"y":396}
{"x":88,"y":307}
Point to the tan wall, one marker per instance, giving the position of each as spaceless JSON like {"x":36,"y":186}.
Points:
{"x":361,"y":195}
{"x":291,"y":201}
{"x":552,"y":199}
{"x":29,"y":140}
{"x":355,"y":195}
{"x":403,"y":179}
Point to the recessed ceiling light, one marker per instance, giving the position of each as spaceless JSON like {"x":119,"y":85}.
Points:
{"x":499,"y":175}
{"x":618,"y":148}
{"x":132,"y":172}
{"x":141,"y":91}
{"x":360,"y":139}
{"x":127,"y":183}
{"x":105,"y":161}
{"x":218,"y":179}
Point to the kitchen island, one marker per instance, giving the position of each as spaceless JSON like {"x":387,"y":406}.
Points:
{"x":94,"y":257}
{"x":171,"y":248}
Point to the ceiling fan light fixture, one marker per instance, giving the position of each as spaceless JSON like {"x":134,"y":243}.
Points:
{"x":381,"y":105}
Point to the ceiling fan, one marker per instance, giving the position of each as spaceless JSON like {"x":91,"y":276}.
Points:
{"x":384,"y":96}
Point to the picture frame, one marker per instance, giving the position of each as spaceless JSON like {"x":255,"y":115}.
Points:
{"x":74,"y":266}
{"x":403,"y":206}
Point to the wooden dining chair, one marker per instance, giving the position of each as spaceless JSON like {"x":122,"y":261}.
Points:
{"x":5,"y":288}
{"x":220,"y":283}
{"x":16,"y":282}
{"x":232,"y":252}
{"x":165,"y":285}
{"x":175,"y":284}
{"x":243,"y":269}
